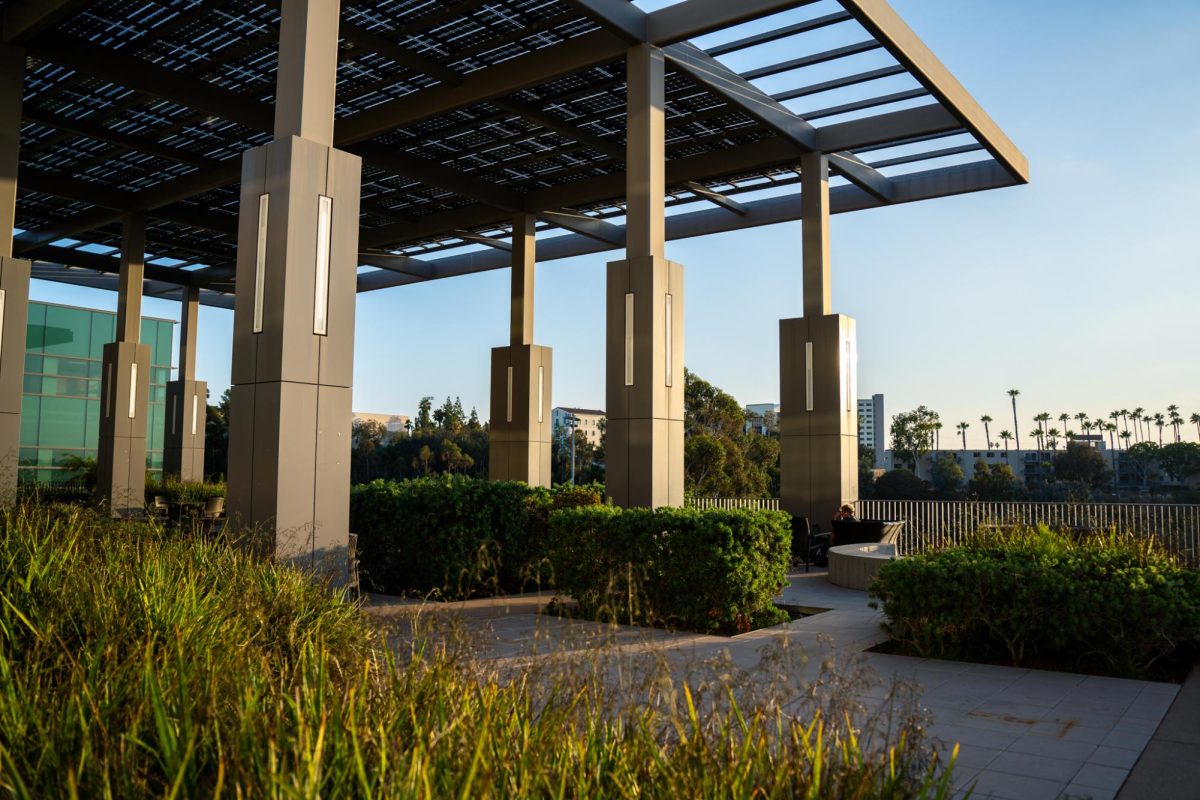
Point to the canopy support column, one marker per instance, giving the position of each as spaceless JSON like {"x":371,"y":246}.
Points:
{"x":293,"y":339}
{"x":520,"y":432}
{"x":14,"y":274}
{"x":125,"y":385}
{"x":644,"y":385}
{"x":187,"y":401}
{"x":818,"y":375}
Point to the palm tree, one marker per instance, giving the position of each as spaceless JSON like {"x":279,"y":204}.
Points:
{"x":1082,"y":417}
{"x":1013,"y":394}
{"x":1195,"y":420}
{"x":1175,"y":419}
{"x":1004,"y":437}
{"x":1125,"y":417}
{"x":1111,"y":427}
{"x":1125,"y":437}
{"x":962,"y":428}
{"x":985,"y":419}
{"x":1136,"y":416}
{"x":1161,"y":422}
{"x":937,"y":436}
{"x":1052,"y":435}
{"x":1065,"y":419}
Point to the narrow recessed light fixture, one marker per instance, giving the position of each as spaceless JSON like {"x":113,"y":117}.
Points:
{"x":629,"y":339}
{"x":111,"y":390}
{"x":321,"y":294}
{"x":668,"y":312}
{"x":195,"y":412}
{"x":1,"y":320}
{"x":508,"y":412}
{"x":260,"y":261}
{"x":541,"y":390}
{"x":174,"y":410}
{"x":132,"y":390}
{"x":808,"y":376}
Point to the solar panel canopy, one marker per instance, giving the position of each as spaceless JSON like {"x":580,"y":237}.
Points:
{"x":467,"y":112}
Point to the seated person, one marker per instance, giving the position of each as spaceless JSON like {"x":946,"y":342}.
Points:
{"x":845,"y":514}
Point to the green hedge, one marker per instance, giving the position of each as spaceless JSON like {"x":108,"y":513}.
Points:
{"x":452,"y":536}
{"x":709,"y":571}
{"x":182,"y":491}
{"x":1109,"y":603}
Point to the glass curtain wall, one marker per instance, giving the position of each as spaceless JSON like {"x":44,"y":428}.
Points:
{"x":60,"y":410}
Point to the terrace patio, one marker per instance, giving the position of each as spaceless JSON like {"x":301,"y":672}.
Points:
{"x":1022,"y":734}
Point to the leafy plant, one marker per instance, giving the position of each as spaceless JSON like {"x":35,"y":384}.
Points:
{"x":696,"y":570}
{"x":1114,"y":603}
{"x":176,"y":491}
{"x":455,"y":536}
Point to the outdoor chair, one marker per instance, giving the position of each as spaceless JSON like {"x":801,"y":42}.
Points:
{"x":159,"y":507}
{"x":809,"y":544}
{"x":213,"y":515}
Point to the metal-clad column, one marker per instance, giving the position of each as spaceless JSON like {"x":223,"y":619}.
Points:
{"x":293,"y":327}
{"x":520,"y":432}
{"x":644,"y":342}
{"x":125,"y":385}
{"x":187,"y":401}
{"x":14,"y":273}
{"x":818,"y":375}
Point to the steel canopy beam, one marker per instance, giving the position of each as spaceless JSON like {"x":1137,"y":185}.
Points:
{"x":693,"y":18}
{"x":959,"y":179}
{"x":582,"y":224}
{"x":882,"y":22}
{"x":619,"y":16}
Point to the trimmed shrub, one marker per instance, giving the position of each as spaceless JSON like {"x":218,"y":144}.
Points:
{"x":1113,"y":603}
{"x":182,"y":491}
{"x":708,"y":571}
{"x":453,"y":536}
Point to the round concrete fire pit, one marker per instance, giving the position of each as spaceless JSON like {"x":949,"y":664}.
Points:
{"x":854,"y":565}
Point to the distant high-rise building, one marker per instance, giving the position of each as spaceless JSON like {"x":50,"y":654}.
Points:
{"x":871,"y":425}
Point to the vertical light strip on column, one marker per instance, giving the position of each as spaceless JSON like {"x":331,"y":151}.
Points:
{"x":133,"y":390}
{"x":195,"y":408}
{"x":541,"y":389}
{"x":848,"y":369}
{"x":174,"y":409}
{"x":629,"y":338}
{"x":808,"y":377}
{"x":112,"y":389}
{"x":667,"y":316}
{"x":260,"y":261}
{"x":508,"y":414}
{"x":321,"y":294}
{"x":1,"y":320}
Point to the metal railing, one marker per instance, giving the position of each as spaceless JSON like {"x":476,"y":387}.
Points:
{"x":731,"y":503}
{"x":939,"y":523}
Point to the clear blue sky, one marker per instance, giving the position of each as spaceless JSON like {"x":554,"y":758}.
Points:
{"x":1080,"y":289}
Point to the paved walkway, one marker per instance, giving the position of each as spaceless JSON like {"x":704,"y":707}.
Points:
{"x":1170,"y":764}
{"x":1022,"y":734}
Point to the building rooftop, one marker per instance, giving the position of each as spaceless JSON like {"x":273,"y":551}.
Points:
{"x":467,"y":112}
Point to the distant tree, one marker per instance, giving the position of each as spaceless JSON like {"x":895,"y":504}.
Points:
{"x":216,"y":437}
{"x":1195,"y":420}
{"x":1005,"y":436}
{"x":995,"y":483}
{"x":1180,"y":460}
{"x":424,"y":422}
{"x":367,"y":437}
{"x":454,"y":458}
{"x":947,"y":477}
{"x":987,"y":431}
{"x":962,"y":428}
{"x":722,"y":457}
{"x":1013,"y":393}
{"x":866,"y":472}
{"x":913,"y":435}
{"x":1082,"y":464}
{"x":901,"y":484}
{"x":423,"y":462}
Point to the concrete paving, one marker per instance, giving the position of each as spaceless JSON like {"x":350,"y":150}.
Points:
{"x":1170,"y":764}
{"x":1022,"y":734}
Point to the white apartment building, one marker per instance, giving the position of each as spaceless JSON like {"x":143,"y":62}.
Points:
{"x":587,"y":420}
{"x":872,"y":426}
{"x":767,"y":415}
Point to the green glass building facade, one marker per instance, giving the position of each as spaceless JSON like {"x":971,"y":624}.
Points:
{"x":60,"y":409}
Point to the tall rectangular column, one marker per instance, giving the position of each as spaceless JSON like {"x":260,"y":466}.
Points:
{"x":644,"y":314}
{"x":14,"y":274}
{"x":520,"y":431}
{"x":125,"y":386}
{"x":818,"y":375}
{"x":187,"y":402}
{"x":293,"y":349}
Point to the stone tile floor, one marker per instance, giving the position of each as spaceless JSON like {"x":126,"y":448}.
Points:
{"x":1022,"y":734}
